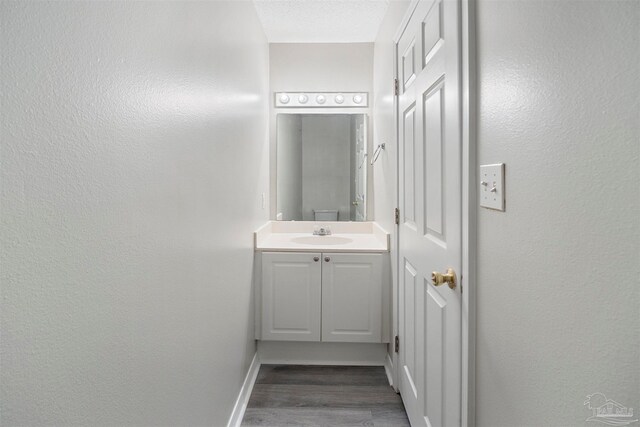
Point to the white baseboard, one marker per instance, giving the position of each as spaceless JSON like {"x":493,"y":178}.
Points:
{"x":321,"y":353}
{"x":245,"y":393}
{"x":388,"y":368}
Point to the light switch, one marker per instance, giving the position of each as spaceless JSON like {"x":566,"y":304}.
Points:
{"x":492,"y":186}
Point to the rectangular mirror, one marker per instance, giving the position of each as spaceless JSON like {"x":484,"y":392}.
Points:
{"x":321,"y":167}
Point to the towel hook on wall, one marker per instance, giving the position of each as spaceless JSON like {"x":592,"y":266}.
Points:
{"x":376,"y":153}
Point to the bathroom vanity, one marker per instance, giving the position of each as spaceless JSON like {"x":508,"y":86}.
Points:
{"x":322,"y":299}
{"x":329,"y":289}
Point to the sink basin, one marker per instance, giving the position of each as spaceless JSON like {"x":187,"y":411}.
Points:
{"x":322,"y":240}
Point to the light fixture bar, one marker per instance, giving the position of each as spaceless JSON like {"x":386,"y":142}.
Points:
{"x":321,"y":99}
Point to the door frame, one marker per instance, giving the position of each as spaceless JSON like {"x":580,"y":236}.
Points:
{"x":468,"y":278}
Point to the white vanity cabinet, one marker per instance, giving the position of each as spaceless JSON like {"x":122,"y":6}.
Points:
{"x":331,"y":297}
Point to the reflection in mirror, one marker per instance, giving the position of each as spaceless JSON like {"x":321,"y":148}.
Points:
{"x":321,"y":167}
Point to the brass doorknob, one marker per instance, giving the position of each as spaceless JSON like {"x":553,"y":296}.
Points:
{"x":449,"y":277}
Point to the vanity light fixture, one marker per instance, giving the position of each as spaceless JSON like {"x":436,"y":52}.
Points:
{"x":284,"y":98}
{"x":321,"y":100}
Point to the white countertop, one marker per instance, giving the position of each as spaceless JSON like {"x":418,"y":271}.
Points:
{"x":297,"y":236}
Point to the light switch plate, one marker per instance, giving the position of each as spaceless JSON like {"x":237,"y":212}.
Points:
{"x":492,"y":186}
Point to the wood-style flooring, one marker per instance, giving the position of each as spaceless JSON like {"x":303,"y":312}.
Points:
{"x":293,"y":395}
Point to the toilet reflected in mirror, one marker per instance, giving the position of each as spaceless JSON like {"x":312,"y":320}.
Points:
{"x":325,"y":215}
{"x":321,"y":167}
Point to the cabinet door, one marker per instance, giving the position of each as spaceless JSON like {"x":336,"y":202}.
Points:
{"x":291,"y":286}
{"x":352,"y":297}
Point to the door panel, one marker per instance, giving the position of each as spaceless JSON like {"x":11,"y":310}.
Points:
{"x":409,"y":178}
{"x":430,"y":231}
{"x":408,"y":64}
{"x":435,"y":325}
{"x":432,"y":32}
{"x":433,"y":162}
{"x":291,"y":286}
{"x":352,"y":297}
{"x":408,"y":327}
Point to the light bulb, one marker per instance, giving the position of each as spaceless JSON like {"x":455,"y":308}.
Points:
{"x":357,"y":99}
{"x":284,"y":98}
{"x":320,"y":99}
{"x":339,"y":99}
{"x":302,"y":99}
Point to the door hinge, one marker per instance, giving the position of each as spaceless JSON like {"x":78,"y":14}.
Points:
{"x":396,"y":214}
{"x":396,"y":87}
{"x":397,"y":344}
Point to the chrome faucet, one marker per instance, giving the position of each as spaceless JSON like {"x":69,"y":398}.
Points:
{"x":322,"y":231}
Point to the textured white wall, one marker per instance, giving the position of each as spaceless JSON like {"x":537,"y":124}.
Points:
{"x":557,"y":309}
{"x":385,"y":169}
{"x":134,"y":152}
{"x":321,"y":67}
{"x":317,"y":67}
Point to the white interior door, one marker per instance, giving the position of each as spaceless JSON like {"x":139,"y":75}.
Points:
{"x":430,"y":229}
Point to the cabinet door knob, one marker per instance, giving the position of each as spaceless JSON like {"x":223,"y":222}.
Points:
{"x":316,"y":259}
{"x":327,"y":259}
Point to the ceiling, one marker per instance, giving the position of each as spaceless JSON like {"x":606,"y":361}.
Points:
{"x":321,"y":21}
